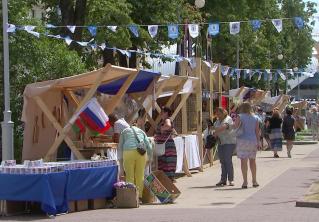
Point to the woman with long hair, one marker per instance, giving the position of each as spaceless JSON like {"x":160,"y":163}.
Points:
{"x":248,"y":142}
{"x":165,"y":132}
{"x":226,"y":146}
{"x":288,"y":130}
{"x":275,"y":132}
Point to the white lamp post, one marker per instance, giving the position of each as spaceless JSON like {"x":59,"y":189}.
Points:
{"x":298,"y":92}
{"x":7,"y":124}
{"x":199,"y":3}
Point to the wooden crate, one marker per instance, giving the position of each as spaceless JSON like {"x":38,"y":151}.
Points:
{"x":97,"y":203}
{"x":82,"y":205}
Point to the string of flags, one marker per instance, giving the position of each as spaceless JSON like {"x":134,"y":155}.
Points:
{"x":268,"y":74}
{"x":173,"y":32}
{"x":213,"y":28}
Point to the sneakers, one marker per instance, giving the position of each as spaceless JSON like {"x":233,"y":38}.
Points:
{"x":221,"y":184}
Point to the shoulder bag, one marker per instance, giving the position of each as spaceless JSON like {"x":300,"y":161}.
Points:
{"x":140,"y":144}
{"x":160,"y":147}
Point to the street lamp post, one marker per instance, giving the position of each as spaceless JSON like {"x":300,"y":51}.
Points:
{"x":7,"y":124}
{"x":298,"y":92}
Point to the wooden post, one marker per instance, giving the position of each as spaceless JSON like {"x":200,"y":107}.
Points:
{"x":211,"y":93}
{"x":184,"y":108}
{"x":220,"y":85}
{"x":57,"y":126}
{"x":199,"y":116}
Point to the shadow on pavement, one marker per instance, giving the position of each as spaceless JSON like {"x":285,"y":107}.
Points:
{"x":204,"y":187}
{"x":222,"y":203}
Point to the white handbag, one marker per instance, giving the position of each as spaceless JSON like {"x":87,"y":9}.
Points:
{"x":160,"y":147}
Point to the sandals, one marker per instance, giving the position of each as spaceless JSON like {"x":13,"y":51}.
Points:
{"x":244,"y":186}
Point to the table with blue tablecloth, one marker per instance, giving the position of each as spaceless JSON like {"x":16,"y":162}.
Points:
{"x":54,"y":190}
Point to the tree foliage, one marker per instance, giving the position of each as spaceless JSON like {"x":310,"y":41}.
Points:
{"x":32,"y":60}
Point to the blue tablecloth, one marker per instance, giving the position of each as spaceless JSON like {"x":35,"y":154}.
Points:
{"x":48,"y":189}
{"x":91,"y":183}
{"x":54,"y":190}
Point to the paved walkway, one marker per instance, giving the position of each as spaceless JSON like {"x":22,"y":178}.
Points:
{"x":282,"y":182}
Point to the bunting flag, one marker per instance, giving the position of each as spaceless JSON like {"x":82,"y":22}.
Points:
{"x":238,"y":71}
{"x":245,"y":73}
{"x":214,"y":69}
{"x":299,"y":22}
{"x":68,"y":40}
{"x":193,"y":30}
{"x":92,"y":30}
{"x":208,"y":64}
{"x":255,"y":24}
{"x":134,"y":30}
{"x":224,"y":70}
{"x":71,"y":28}
{"x":152,"y":30}
{"x":231,"y":73}
{"x":213,"y":29}
{"x":112,"y":28}
{"x":11,"y":28}
{"x":234,"y":28}
{"x":30,"y":28}
{"x":172,"y":31}
{"x":259,"y":75}
{"x":102,"y":46}
{"x":93,"y":116}
{"x":265,"y":75}
{"x":125,"y":52}
{"x":269,"y":74}
{"x":278,"y":24}
{"x":283,"y":76}
{"x":275,"y":76}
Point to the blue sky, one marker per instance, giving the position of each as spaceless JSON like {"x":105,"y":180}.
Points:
{"x":316,"y":28}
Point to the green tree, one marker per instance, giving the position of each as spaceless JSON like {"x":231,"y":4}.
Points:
{"x":32,"y":60}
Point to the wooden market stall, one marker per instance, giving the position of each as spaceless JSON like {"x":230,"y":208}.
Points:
{"x":47,"y":122}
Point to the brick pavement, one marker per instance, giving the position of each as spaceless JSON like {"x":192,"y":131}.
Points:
{"x":283,"y":181}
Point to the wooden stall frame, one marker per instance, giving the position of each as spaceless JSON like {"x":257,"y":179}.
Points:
{"x":63,"y":131}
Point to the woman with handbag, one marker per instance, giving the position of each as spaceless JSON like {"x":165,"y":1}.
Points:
{"x":248,"y":141}
{"x":226,"y":146}
{"x":132,"y":149}
{"x":164,"y":139}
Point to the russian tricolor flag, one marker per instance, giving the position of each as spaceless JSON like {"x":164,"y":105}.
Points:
{"x":94,"y":116}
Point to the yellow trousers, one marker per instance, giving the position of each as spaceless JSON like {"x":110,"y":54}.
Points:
{"x":134,"y":166}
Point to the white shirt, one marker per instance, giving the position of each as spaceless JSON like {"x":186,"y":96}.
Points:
{"x":120,"y":125}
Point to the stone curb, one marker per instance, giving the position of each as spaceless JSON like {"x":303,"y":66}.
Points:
{"x":303,"y":142}
{"x":303,"y":203}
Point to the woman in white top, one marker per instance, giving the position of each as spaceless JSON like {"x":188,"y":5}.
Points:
{"x":226,"y":146}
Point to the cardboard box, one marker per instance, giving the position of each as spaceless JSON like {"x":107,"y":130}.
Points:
{"x":9,"y":208}
{"x":97,"y":203}
{"x":148,"y":196}
{"x":162,"y":187}
{"x":82,"y":205}
{"x":72,"y":206}
{"x":127,"y":198}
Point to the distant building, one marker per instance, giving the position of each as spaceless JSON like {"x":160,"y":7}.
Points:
{"x":308,"y":89}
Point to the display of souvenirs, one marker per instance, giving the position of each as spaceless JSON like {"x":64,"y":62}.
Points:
{"x":40,"y":167}
{"x":8,"y":163}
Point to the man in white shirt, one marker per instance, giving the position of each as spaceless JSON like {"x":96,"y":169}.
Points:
{"x":118,"y":126}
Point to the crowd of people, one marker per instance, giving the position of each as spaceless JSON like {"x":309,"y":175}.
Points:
{"x":249,"y":129}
